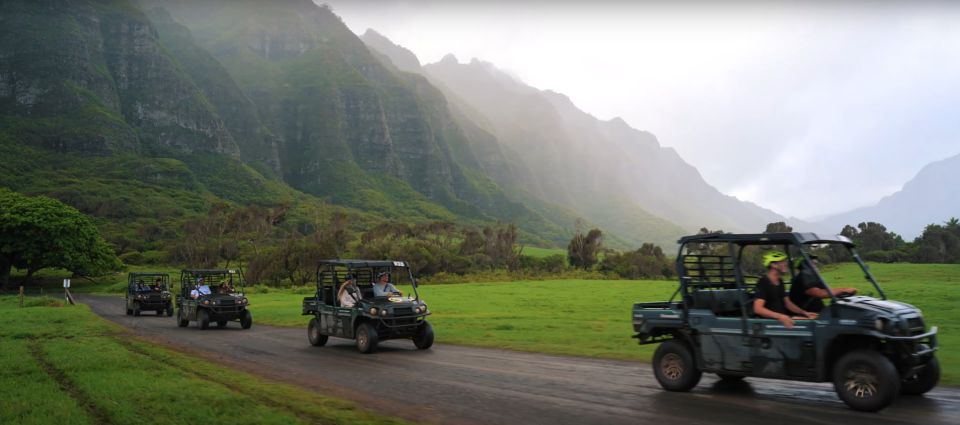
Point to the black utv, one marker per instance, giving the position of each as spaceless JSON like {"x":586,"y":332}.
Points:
{"x":212,"y":296}
{"x":368,"y":316}
{"x":148,"y":292}
{"x":872,"y":349}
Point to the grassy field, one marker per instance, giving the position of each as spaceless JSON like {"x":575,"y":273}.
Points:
{"x":592,"y":317}
{"x":66,"y":365}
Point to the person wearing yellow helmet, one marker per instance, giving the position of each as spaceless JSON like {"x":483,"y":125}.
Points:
{"x":771,"y":299}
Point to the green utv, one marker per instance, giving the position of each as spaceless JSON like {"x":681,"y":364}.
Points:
{"x":212,"y":296}
{"x":872,"y":349}
{"x":370,"y":319}
{"x":148,"y":292}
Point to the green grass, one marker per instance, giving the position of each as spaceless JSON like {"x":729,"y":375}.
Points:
{"x":66,"y":365}
{"x":592,"y":317}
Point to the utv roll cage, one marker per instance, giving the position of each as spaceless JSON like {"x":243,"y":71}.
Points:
{"x":717,"y":279}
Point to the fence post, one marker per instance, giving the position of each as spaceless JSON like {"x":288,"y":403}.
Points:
{"x":21,"y":296}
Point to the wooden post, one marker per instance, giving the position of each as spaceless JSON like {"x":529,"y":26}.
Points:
{"x":21,"y":296}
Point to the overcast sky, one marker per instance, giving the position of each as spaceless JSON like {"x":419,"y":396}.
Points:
{"x":807,"y":110}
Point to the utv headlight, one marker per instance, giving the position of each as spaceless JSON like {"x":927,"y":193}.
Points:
{"x":383,"y":313}
{"x":206,"y":301}
{"x":878,"y":324}
{"x":373,"y":311}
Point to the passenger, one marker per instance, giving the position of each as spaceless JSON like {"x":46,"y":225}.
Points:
{"x":349,"y":294}
{"x":808,"y":292}
{"x":142,"y":286}
{"x":383,"y":287}
{"x":225,"y":287}
{"x":771,"y":299}
{"x":158,"y":285}
{"x":201,"y":289}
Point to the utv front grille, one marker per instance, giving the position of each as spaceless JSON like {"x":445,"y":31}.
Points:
{"x":403,"y":311}
{"x":915,"y":325}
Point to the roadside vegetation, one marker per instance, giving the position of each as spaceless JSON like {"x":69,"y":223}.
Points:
{"x":66,"y":365}
{"x":592,"y":317}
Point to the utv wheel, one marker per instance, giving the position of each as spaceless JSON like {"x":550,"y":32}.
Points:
{"x":221,"y":323}
{"x":674,"y":367}
{"x":423,"y":338}
{"x":925,"y":380}
{"x":866,"y":380}
{"x":181,"y":320}
{"x":129,"y":312}
{"x":729,"y":377}
{"x":203,"y":319}
{"x":367,"y":338}
{"x":169,"y":310}
{"x":316,"y":338}
{"x":246,"y":319}
{"x":136,"y":309}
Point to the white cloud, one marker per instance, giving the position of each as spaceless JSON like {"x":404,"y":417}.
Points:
{"x":807,"y":110}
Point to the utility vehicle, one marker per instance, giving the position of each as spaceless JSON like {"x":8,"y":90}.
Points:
{"x":373,"y":318}
{"x":212,"y":296}
{"x":148,"y":291}
{"x":871,"y":348}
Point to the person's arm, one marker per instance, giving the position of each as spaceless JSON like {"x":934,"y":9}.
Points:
{"x":760,"y":310}
{"x":820,"y":292}
{"x":800,"y":312}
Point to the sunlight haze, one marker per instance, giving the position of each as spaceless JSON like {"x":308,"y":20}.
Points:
{"x":804,"y":110}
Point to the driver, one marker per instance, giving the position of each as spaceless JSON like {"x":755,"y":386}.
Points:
{"x":201,"y":289}
{"x":771,"y":300}
{"x":808,"y":292}
{"x":349,"y":294}
{"x":158,"y":285}
{"x":383,"y":287}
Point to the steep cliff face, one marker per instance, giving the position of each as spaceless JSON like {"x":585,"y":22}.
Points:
{"x":256,"y":143}
{"x":91,"y":77}
{"x":349,"y":128}
{"x":605,"y":163}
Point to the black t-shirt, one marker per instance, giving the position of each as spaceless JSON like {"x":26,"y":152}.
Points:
{"x":772,"y":295}
{"x":798,"y":291}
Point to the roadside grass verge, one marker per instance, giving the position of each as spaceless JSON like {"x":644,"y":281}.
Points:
{"x":592,"y":317}
{"x":66,"y":365}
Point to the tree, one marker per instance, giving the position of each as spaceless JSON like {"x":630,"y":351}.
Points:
{"x":40,"y":232}
{"x":582,"y":250}
{"x":778,"y":227}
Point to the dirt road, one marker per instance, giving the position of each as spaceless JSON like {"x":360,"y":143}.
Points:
{"x":452,"y":384}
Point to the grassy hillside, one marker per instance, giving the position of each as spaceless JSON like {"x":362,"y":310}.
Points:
{"x":66,"y":365}
{"x":592,"y":317}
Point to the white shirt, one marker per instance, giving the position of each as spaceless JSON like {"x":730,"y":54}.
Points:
{"x":347,"y":300}
{"x":202,"y":290}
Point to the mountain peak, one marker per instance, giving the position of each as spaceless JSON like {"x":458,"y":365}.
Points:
{"x":450,"y":59}
{"x":398,"y":56}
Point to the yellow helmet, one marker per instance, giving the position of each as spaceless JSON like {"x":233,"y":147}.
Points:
{"x":773,"y":257}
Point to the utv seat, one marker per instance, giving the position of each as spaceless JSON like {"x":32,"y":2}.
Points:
{"x":722,"y":302}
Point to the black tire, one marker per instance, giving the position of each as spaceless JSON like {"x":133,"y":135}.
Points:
{"x":866,"y":380}
{"x":203,"y":319}
{"x":169,"y":310}
{"x":730,"y":378}
{"x":136,"y":309}
{"x":182,"y":321}
{"x":246,"y":319}
{"x":316,"y":338}
{"x":221,"y":323}
{"x":674,"y":367}
{"x":367,"y":338}
{"x":925,"y":380}
{"x":129,"y":312}
{"x":423,"y":338}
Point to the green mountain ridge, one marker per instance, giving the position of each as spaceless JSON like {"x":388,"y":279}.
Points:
{"x":138,"y":112}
